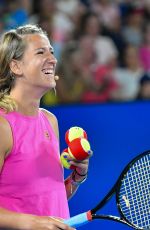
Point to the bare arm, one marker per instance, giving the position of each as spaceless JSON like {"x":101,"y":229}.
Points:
{"x":14,"y":220}
{"x":77,"y":177}
{"x":70,"y":189}
{"x":18,"y":221}
{"x":81,"y":167}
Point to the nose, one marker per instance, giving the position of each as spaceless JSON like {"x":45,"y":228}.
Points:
{"x":52,"y":59}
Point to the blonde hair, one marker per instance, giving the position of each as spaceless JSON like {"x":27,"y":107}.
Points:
{"x":12,"y":46}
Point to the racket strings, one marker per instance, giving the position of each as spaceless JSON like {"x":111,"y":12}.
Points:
{"x":132,"y":215}
{"x":142,"y":199}
{"x":140,"y":186}
{"x":134,"y":196}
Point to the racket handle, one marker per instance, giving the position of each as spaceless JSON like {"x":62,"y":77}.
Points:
{"x":79,"y":220}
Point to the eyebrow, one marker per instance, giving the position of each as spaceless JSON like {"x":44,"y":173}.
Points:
{"x":43,"y":48}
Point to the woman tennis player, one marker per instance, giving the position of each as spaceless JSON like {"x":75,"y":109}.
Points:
{"x":33,"y":193}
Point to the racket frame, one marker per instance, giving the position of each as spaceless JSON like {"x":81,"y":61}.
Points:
{"x":115,"y":190}
{"x":90,"y":215}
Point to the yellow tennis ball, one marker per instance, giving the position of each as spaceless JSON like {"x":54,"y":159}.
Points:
{"x":64,"y":156}
{"x":73,"y":133}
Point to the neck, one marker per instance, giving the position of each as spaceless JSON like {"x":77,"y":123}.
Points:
{"x":28,"y":103}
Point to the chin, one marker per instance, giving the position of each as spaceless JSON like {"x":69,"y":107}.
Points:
{"x":50,"y":86}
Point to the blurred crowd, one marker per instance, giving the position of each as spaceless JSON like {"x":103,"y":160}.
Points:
{"x":102,"y":46}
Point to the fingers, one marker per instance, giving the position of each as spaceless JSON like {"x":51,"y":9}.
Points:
{"x":81,"y":167}
{"x":60,"y":224}
{"x":85,"y":161}
{"x":79,"y":163}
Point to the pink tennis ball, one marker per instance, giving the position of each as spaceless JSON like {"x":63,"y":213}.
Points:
{"x":73,"y":133}
{"x":79,"y":149}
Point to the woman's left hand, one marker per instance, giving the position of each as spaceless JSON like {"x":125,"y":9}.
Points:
{"x":81,"y":166}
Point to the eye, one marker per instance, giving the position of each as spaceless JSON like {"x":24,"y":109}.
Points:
{"x":40,"y":52}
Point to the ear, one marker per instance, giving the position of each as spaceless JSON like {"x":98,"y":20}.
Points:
{"x":15,"y":66}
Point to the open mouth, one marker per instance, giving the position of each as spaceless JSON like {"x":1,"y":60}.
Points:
{"x":48,"y":72}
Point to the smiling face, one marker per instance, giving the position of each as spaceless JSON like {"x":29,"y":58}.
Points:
{"x":37,"y":66}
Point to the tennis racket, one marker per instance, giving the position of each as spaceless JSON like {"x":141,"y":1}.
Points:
{"x":132,"y":191}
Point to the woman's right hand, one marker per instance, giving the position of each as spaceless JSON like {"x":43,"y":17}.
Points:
{"x":45,"y":223}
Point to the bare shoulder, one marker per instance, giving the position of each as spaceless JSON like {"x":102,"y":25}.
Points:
{"x":53,"y":120}
{"x":4,"y":126}
{"x":5,"y":139}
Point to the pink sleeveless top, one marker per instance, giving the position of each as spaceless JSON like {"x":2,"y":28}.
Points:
{"x":31,"y":180}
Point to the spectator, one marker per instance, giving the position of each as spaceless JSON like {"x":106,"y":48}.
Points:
{"x":107,"y":12}
{"x":75,"y":69}
{"x":103,"y":84}
{"x":145,"y":49}
{"x":16,"y":15}
{"x":128,"y":77}
{"x":144,"y":92}
{"x":115,"y":33}
{"x":132,"y":30}
{"x":59,"y":17}
{"x":103,"y":45}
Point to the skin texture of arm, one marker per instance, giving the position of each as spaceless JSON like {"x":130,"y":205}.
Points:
{"x":6,"y":140}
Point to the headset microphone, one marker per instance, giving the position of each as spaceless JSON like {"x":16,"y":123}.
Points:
{"x":56,"y":78}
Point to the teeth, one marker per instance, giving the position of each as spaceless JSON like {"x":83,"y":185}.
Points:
{"x":48,"y":71}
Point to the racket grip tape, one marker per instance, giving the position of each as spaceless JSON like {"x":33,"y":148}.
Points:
{"x":79,"y":219}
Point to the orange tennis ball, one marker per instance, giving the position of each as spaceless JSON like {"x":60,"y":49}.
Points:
{"x":73,"y":133}
{"x":64,"y":159}
{"x":79,"y":149}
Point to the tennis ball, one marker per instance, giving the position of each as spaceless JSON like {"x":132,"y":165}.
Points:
{"x":79,"y":149}
{"x":73,"y":133}
{"x":64,"y":159}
